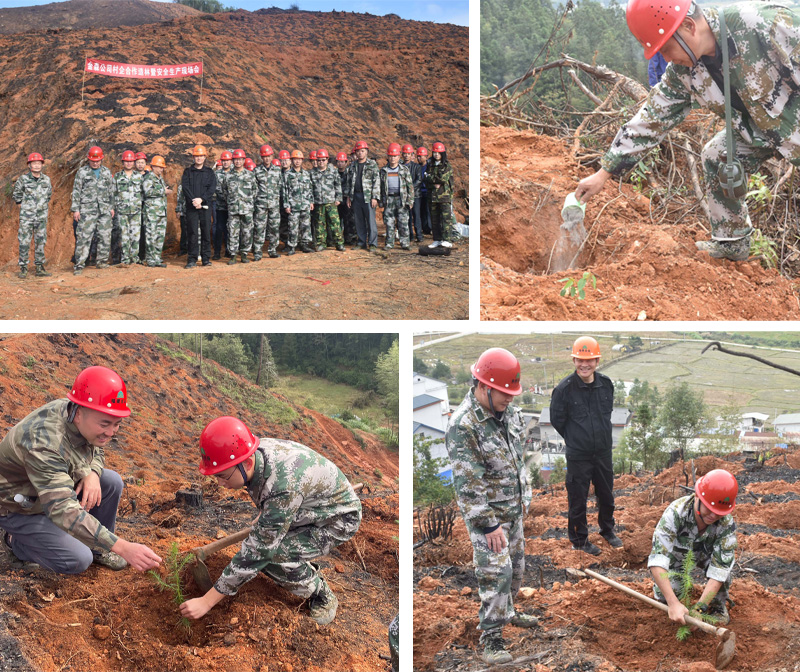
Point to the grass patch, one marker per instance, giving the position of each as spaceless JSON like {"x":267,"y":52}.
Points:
{"x":163,"y":347}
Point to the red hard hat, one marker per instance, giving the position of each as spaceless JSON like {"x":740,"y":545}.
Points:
{"x":249,"y":164}
{"x":266,"y":150}
{"x":393,"y":150}
{"x":239,"y":154}
{"x":128,"y":155}
{"x":224,"y":443}
{"x":361,"y":144}
{"x":341,"y":156}
{"x":35,"y":157}
{"x":408,"y":149}
{"x":499,"y":369}
{"x":218,"y":164}
{"x":225,"y":156}
{"x":718,"y":490}
{"x":652,"y":24}
{"x":322,"y":154}
{"x":276,"y":162}
{"x":139,"y":155}
{"x":101,"y":389}
{"x":313,"y":155}
{"x":284,"y":154}
{"x":421,"y":151}
{"x":95,"y":154}
{"x":438,"y":147}
{"x":586,"y":347}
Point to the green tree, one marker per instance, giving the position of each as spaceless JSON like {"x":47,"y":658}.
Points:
{"x":387,"y":373}
{"x":644,"y":440}
{"x":267,"y":372}
{"x":229,"y":351}
{"x":559,"y":472}
{"x":619,"y":393}
{"x":682,"y":415}
{"x":420,"y":366}
{"x":463,"y":376}
{"x":441,"y":371}
{"x":726,"y":437}
{"x":635,"y":342}
{"x":429,"y":488}
{"x":208,"y":6}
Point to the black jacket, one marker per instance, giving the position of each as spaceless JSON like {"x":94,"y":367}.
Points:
{"x":581,"y":414}
{"x":199,"y":184}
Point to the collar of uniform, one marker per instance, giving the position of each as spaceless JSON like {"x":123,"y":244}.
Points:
{"x":595,"y":383}
{"x":481,"y":413}
{"x":73,"y":435}
{"x":259,"y":471}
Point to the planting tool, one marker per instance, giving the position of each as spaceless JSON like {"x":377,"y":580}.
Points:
{"x":199,"y":570}
{"x":726,"y":647}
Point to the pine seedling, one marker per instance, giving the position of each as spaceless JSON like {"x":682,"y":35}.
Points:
{"x":686,"y":596}
{"x":173,"y":581}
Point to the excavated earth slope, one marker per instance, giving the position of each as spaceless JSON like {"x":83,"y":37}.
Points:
{"x":47,"y":621}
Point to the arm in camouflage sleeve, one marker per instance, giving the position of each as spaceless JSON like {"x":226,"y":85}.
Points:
{"x":408,"y":186}
{"x":337,"y":186}
{"x":470,"y":487}
{"x":49,"y":189}
{"x":664,"y":538}
{"x":77,"y":189}
{"x":98,"y":461}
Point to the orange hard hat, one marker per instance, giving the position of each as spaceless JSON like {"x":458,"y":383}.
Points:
{"x":586,"y":347}
{"x":297,"y":154}
{"x":158,"y":161}
{"x":199,"y":150}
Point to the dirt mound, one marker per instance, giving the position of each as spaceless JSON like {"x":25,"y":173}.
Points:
{"x":52,"y":619}
{"x":303,"y":80}
{"x":643,"y":270}
{"x":80,"y":14}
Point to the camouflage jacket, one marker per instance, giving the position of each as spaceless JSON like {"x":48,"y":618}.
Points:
{"x":180,"y":202}
{"x":269,"y":182}
{"x":33,"y":196}
{"x":764,"y":41}
{"x":677,"y":532}
{"x":44,"y":457}
{"x":240,"y":189}
{"x":92,"y":196}
{"x":406,"y":186}
{"x":297,"y":191}
{"x":441,"y":174}
{"x":154,"y":191}
{"x":293,"y":487}
{"x":326,"y":185}
{"x":221,"y":194}
{"x":129,"y":193}
{"x":489,"y":472}
{"x":344,"y":177}
{"x":370,"y":180}
{"x":416,"y":175}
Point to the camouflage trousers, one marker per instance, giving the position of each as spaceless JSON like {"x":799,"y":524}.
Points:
{"x":441,"y":220}
{"x":730,"y":219}
{"x":394,"y":643}
{"x":289,"y":564}
{"x":266,"y":226}
{"x":36,"y":229}
{"x":240,"y":233}
{"x":395,"y":217}
{"x":328,"y":225}
{"x":88,"y":225}
{"x":155,"y":228}
{"x":315,"y":235}
{"x":130,"y":227}
{"x":499,"y":575}
{"x":702,"y":560}
{"x":299,"y":228}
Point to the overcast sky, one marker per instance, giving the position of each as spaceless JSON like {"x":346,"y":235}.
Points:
{"x":440,"y":11}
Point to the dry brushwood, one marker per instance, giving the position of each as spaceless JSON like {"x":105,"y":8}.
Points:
{"x":439,"y":522}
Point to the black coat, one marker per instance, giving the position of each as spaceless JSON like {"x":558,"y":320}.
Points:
{"x":199,"y":184}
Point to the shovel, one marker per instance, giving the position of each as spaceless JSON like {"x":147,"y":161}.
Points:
{"x":199,"y":570}
{"x":726,"y":647}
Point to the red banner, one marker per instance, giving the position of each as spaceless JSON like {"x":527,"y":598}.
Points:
{"x":143,"y":71}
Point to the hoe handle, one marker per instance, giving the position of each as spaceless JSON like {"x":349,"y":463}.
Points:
{"x":722,"y":633}
{"x":202,"y":552}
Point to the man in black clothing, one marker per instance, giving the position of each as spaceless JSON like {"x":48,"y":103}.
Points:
{"x":199,"y":184}
{"x":580,"y":411}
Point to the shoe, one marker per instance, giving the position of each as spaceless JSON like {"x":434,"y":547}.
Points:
{"x":245,"y":260}
{"x":207,"y":263}
{"x":419,"y":240}
{"x":435,"y":243}
{"x":111,"y":560}
{"x":720,"y":612}
{"x":406,"y":247}
{"x":373,"y":248}
{"x":23,"y":272}
{"x":524,"y":620}
{"x":734,"y":250}
{"x":494,"y":649}
{"x":41,"y":272}
{"x":613,"y":540}
{"x":191,"y":264}
{"x":290,"y":252}
{"x":360,"y":247}
{"x":231,"y":261}
{"x":305,"y":248}
{"x":216,"y":257}
{"x":447,"y":243}
{"x":587,"y":547}
{"x":321,"y":248}
{"x":340,"y":248}
{"x":77,"y":271}
{"x":322,"y":605}
{"x":388,"y":247}
{"x":8,"y":555}
{"x":102,"y":265}
{"x":160,"y":264}
{"x":273,"y":255}
{"x":256,"y":257}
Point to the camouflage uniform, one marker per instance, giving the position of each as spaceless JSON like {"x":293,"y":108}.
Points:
{"x":315,"y":238}
{"x":298,"y":195}
{"x":763,"y":39}
{"x":180,"y":211}
{"x":268,"y":201}
{"x":440,"y":198}
{"x":33,"y":195}
{"x":394,"y":643}
{"x":154,"y":210}
{"x":308,"y":507}
{"x":490,"y":479}
{"x":240,"y":189}
{"x":128,"y":213}
{"x":327,"y":187}
{"x":43,"y":458}
{"x":221,"y":214}
{"x":714,"y":548}
{"x":363,"y":212}
{"x":94,"y":199}
{"x":345,"y":212}
{"x":396,"y":208}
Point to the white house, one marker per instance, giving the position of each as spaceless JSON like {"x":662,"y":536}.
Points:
{"x":787,"y":423}
{"x":753,"y":422}
{"x":431,"y":414}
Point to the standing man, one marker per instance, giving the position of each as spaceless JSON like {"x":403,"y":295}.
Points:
{"x":298,"y":202}
{"x":267,"y":214}
{"x":93,"y":195}
{"x":32,"y":193}
{"x":154,"y":209}
{"x":140,"y":164}
{"x":307,"y":508}
{"x":198,"y":184}
{"x":241,"y":190}
{"x":221,"y":204}
{"x":397,"y":198}
{"x":490,"y":478}
{"x":415,"y":226}
{"x":129,"y":207}
{"x":425,"y":212}
{"x":327,"y":197}
{"x":362,"y":197}
{"x":580,"y":411}
{"x":58,"y":502}
{"x":439,"y":180}
{"x":345,"y":213}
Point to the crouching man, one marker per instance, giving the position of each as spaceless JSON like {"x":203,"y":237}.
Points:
{"x":58,"y":503}
{"x":308,"y":507}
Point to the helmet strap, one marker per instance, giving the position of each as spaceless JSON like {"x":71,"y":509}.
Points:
{"x":244,"y":474}
{"x":497,"y":415}
{"x":72,"y":409}
{"x":685,"y":47}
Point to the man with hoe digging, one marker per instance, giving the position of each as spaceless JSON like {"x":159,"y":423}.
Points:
{"x":58,"y":503}
{"x":307,"y":505}
{"x":490,"y":479}
{"x":762,"y":108}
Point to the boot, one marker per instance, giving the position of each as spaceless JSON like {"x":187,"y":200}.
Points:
{"x":494,"y":648}
{"x":23,"y":272}
{"x":305,"y":247}
{"x":111,"y":560}
{"x":231,"y":261}
{"x":41,"y":272}
{"x":735,"y":250}
{"x":322,"y":605}
{"x":523,"y":620}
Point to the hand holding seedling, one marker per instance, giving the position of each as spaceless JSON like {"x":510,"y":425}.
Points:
{"x":138,"y":556}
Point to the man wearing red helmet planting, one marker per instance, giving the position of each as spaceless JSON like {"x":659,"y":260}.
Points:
{"x":307,"y":507}
{"x":58,"y":502}
{"x":32,"y":192}
{"x":703,"y":522}
{"x":490,"y":479}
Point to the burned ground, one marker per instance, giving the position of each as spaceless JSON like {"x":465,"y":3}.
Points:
{"x":590,"y":627}
{"x":48,"y":622}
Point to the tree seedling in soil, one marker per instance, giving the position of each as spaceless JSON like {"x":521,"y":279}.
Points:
{"x":174,"y":563}
{"x":577,"y":288}
{"x":686,"y":597}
